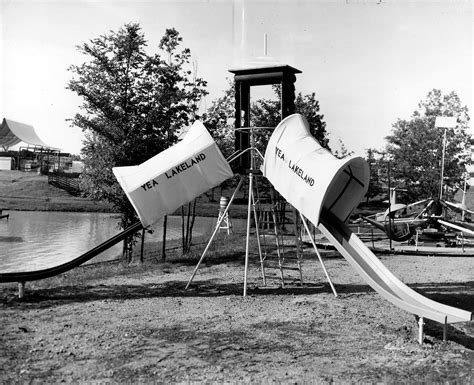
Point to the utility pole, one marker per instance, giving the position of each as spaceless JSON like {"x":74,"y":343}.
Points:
{"x":444,"y":122}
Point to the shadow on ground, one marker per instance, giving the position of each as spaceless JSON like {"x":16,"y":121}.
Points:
{"x":454,"y":294}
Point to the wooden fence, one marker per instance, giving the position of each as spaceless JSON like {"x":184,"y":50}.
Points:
{"x":65,"y":181}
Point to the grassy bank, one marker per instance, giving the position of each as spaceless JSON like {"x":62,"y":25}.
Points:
{"x":31,"y":192}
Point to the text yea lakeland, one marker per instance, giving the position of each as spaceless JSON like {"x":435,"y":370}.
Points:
{"x":293,"y":167}
{"x":175,"y":170}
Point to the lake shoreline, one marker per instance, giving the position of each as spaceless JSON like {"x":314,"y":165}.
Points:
{"x":31,"y":192}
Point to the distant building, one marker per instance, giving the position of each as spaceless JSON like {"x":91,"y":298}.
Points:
{"x":6,"y":162}
{"x":24,"y":150}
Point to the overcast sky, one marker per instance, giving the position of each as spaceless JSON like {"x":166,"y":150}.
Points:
{"x":369,"y":62}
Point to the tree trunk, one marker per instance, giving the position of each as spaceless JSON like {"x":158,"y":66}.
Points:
{"x":187,"y":225}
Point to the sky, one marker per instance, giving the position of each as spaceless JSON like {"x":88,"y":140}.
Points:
{"x":369,"y":62}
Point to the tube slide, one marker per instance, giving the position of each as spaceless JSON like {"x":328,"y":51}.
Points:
{"x":326,"y":190}
{"x":26,"y":276}
{"x":374,"y":272}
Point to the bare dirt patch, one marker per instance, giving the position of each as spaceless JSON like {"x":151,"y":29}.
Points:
{"x":141,"y":325}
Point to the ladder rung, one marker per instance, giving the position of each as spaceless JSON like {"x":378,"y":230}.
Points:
{"x":290,"y":268}
{"x":273,"y":267}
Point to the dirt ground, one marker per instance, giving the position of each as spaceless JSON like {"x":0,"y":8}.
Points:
{"x":143,"y":326}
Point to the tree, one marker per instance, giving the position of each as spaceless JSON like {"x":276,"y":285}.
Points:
{"x":133,"y":105}
{"x":378,"y":172}
{"x":342,"y":152}
{"x":266,"y":113}
{"x":416,"y":146}
{"x":219,"y":118}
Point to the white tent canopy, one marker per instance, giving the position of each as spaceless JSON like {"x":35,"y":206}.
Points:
{"x":309,"y":176}
{"x":12,"y":133}
{"x":175,"y":176}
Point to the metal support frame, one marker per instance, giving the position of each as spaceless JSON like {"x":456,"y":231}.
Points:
{"x":303,"y":219}
{"x":421,"y":335}
{"x":251,"y":204}
{"x":252,"y":210}
{"x":227,"y":226}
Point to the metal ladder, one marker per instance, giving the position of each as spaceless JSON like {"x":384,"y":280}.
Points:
{"x":287,"y":253}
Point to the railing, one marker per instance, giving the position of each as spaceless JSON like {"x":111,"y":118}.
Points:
{"x":65,"y":181}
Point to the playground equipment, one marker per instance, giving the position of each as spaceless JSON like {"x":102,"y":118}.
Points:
{"x":26,"y":276}
{"x":254,"y":154}
{"x":175,"y":176}
{"x":223,"y":219}
{"x":326,"y":190}
{"x":2,"y":216}
{"x":432,"y":219}
{"x":182,"y":172}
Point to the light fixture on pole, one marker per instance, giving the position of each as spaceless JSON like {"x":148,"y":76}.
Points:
{"x":444,"y":122}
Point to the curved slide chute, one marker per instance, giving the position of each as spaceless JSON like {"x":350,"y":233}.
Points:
{"x":326,"y":190}
{"x":156,"y":188}
{"x":376,"y":274}
{"x":26,"y":276}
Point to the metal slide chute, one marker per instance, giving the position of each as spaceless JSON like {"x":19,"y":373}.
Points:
{"x":376,"y":274}
{"x":326,"y":190}
{"x":26,"y":276}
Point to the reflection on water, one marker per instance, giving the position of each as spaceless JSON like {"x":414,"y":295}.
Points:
{"x":32,"y":240}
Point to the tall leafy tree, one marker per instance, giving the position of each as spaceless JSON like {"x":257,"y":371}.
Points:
{"x":219,"y":118}
{"x":133,"y":104}
{"x":266,"y":113}
{"x":378,"y":173}
{"x":415,"y":146}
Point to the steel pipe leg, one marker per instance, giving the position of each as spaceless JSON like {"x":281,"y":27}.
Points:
{"x":215,"y":232}
{"x":445,"y":330}
{"x":420,"y":330}
{"x":21,"y":289}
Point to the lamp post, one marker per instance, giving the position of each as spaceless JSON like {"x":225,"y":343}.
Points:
{"x":442,"y":166}
{"x":444,"y":122}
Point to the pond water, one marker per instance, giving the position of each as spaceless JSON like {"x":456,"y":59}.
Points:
{"x":32,"y":240}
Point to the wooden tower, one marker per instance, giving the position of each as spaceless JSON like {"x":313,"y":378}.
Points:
{"x":244,"y":79}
